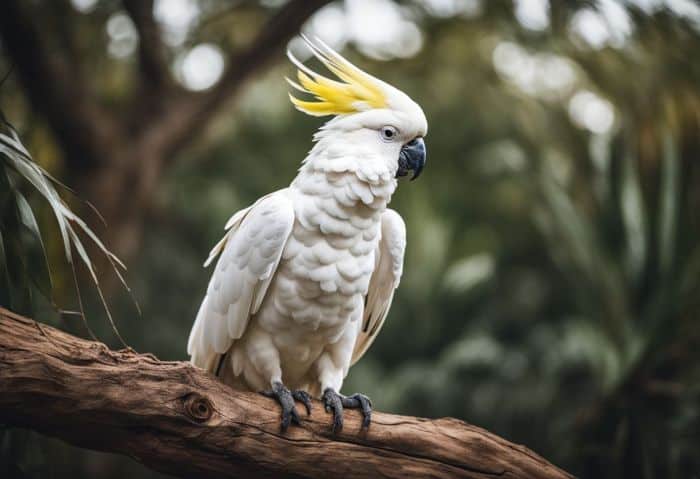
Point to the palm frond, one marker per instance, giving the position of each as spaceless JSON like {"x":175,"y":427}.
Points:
{"x":18,"y":163}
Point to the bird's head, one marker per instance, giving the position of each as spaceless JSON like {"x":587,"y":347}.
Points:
{"x":369,"y":113}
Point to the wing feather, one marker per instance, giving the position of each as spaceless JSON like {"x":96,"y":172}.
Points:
{"x":384,"y":281}
{"x":248,"y":255}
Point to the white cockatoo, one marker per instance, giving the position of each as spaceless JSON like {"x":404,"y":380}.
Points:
{"x":306,"y":275}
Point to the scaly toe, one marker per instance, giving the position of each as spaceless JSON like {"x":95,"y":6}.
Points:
{"x":332,"y":401}
{"x":304,"y":398}
{"x":286,"y":400}
{"x":360,"y":401}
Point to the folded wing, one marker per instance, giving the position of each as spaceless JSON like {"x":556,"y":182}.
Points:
{"x":249,"y":255}
{"x":384,"y":281}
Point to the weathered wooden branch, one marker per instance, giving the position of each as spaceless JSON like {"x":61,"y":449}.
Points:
{"x":178,"y":419}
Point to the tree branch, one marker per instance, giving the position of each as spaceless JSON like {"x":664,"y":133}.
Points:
{"x":188,"y":114}
{"x":179,"y":420}
{"x":275,"y":34}
{"x":153,"y":63}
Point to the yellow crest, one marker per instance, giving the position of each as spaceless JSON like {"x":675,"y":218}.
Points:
{"x":357,"y":90}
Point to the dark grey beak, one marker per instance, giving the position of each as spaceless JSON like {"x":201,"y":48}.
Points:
{"x":412,"y":158}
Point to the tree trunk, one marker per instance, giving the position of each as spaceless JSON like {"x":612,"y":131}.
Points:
{"x":117,"y":156}
{"x":178,"y":419}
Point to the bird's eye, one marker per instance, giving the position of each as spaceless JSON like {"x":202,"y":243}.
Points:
{"x":388,"y":133}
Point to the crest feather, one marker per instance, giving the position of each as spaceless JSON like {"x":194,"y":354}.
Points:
{"x":356,"y":91}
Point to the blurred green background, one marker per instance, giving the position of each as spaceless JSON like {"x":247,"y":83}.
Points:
{"x":551,"y":288}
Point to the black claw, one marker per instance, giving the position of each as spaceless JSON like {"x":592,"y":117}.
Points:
{"x":333,"y":402}
{"x":304,"y":398}
{"x":360,"y":401}
{"x":295,"y":416}
{"x":286,"y":400}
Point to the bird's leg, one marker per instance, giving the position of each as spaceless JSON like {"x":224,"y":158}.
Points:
{"x":335,"y":402}
{"x":286,"y":398}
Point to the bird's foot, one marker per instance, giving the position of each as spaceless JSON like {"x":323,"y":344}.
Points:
{"x":335,"y":402}
{"x":286,"y":399}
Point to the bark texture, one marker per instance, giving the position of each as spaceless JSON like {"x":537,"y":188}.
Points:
{"x":179,"y":420}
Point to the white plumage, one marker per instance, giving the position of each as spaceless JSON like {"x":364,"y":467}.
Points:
{"x":306,"y":275}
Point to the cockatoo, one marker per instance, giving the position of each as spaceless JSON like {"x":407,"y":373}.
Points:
{"x":306,"y":275}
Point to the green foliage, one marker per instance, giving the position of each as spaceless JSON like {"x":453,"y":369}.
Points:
{"x":630,"y":291}
{"x":23,"y":260}
{"x":23,"y":264}
{"x":26,"y":284}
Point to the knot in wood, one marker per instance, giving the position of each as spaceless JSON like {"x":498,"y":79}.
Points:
{"x":198,"y":407}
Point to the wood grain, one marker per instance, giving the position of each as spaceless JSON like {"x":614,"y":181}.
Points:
{"x":177,"y":419}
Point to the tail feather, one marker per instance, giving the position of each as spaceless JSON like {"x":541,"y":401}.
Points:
{"x":200,"y":355}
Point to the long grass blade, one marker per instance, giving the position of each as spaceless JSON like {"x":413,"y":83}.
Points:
{"x":633,"y":217}
{"x":34,"y":246}
{"x":19,"y":159}
{"x":4,"y":273}
{"x":669,"y":203}
{"x":80,"y":303}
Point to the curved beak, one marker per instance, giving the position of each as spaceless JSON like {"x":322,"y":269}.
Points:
{"x":412,"y":158}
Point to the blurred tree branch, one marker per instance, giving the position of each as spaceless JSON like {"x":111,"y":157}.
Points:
{"x":179,"y":420}
{"x":153,"y":62}
{"x":188,"y":113}
{"x":119,"y":158}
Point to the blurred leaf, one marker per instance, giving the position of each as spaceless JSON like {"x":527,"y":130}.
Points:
{"x":633,"y":217}
{"x":20,"y":291}
{"x":689,"y":284}
{"x":668,"y":203}
{"x":17,"y":158}
{"x":572,"y":226}
{"x":35,"y":254}
{"x":5,"y":284}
